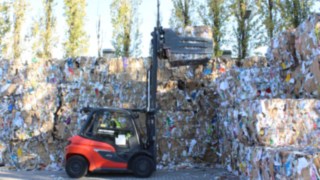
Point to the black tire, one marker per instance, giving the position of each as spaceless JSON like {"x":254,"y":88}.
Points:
{"x":76,"y":166}
{"x":142,"y":166}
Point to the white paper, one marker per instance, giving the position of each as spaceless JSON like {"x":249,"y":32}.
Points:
{"x":192,"y":143}
{"x":5,"y":87}
{"x":302,"y":163}
{"x":18,"y":121}
{"x":121,"y":140}
{"x":224,"y":85}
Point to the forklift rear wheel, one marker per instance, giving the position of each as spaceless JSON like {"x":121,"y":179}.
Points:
{"x":76,"y":166}
{"x":142,"y":166}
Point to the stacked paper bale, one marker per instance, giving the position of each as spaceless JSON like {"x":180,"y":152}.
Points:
{"x":257,"y":162}
{"x":27,"y":117}
{"x":275,"y":138}
{"x":4,"y":70}
{"x":240,"y":84}
{"x":275,"y":122}
{"x":250,"y":121}
{"x":125,"y":88}
{"x":54,"y":93}
{"x":300,"y":71}
{"x":255,"y":61}
{"x":97,"y":83}
{"x":307,"y":38}
{"x":270,"y":116}
{"x":185,"y":128}
{"x":303,"y":80}
{"x":282,"y":49}
{"x":42,"y":102}
{"x":27,"y":107}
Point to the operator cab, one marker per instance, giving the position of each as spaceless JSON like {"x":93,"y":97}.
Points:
{"x":113,"y":126}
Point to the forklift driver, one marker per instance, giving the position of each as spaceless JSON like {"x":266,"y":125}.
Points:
{"x":114,"y":123}
{"x":108,"y":121}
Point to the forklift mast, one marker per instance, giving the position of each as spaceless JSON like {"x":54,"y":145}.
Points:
{"x":180,"y":51}
{"x":152,"y":88}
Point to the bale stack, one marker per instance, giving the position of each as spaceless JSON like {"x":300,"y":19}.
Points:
{"x":299,"y":71}
{"x":42,"y":101}
{"x":270,"y":116}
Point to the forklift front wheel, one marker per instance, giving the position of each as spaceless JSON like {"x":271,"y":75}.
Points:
{"x":77,"y":166}
{"x":142,"y":166}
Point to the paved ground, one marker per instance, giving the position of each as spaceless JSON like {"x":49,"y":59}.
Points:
{"x":192,"y":174}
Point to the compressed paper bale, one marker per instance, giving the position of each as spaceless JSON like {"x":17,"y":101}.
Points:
{"x":254,"y":61}
{"x":239,"y":85}
{"x":181,"y":72}
{"x":180,"y":150}
{"x":168,"y":101}
{"x":81,"y":88}
{"x":19,"y":156}
{"x":223,"y":64}
{"x":165,"y":72}
{"x":307,"y":41}
{"x":40,"y":96}
{"x":115,"y":66}
{"x":3,"y":148}
{"x":315,"y":69}
{"x":54,"y":73}
{"x":302,"y":81}
{"x":299,"y":45}
{"x":268,"y":133}
{"x":295,"y":127}
{"x":255,"y":162}
{"x":4,"y":70}
{"x":171,"y":150}
{"x":180,"y":126}
{"x":181,"y":95}
{"x":282,"y":48}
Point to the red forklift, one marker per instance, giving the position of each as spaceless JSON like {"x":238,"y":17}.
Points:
{"x":109,"y":140}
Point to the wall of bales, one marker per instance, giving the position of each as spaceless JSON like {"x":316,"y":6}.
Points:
{"x":41,"y":104}
{"x":270,"y":115}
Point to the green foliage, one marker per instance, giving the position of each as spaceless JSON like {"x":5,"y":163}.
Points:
{"x":125,"y":21}
{"x":293,"y":12}
{"x":182,"y":13}
{"x":317,"y":31}
{"x":19,"y":7}
{"x":77,"y":39}
{"x":248,"y":28}
{"x":50,"y":23}
{"x":216,"y":17}
{"x":42,"y":31}
{"x":243,"y":27}
{"x":35,"y":34}
{"x":269,"y":12}
{"x":4,"y":25}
